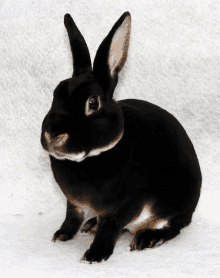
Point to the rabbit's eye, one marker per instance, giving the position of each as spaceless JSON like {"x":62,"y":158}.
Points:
{"x":92,"y":105}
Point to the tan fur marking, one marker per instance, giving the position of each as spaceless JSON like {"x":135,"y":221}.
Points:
{"x":111,"y":145}
{"x":87,"y":111}
{"x":47,"y":137}
{"x":59,"y":141}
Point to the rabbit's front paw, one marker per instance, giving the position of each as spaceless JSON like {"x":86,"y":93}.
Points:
{"x":62,"y":236}
{"x":97,"y":253}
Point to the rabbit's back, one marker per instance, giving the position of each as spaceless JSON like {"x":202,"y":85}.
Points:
{"x":159,"y":135}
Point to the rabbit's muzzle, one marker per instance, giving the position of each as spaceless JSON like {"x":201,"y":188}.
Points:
{"x":55,"y":144}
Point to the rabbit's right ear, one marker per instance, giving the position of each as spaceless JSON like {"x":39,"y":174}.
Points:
{"x":80,"y":51}
{"x":112,"y":54}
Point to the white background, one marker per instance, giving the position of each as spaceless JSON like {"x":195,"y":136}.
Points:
{"x":173,"y":61}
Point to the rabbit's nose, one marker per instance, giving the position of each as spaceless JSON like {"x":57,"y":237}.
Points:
{"x":57,"y":141}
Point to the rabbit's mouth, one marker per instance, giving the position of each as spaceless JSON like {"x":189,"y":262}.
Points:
{"x":59,"y":154}
{"x":56,"y":148}
{"x":73,"y":157}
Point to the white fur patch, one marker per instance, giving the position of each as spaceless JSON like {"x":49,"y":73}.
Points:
{"x":161,"y":224}
{"x":146,"y":220}
{"x":140,"y":220}
{"x":73,"y":157}
{"x":77,"y":157}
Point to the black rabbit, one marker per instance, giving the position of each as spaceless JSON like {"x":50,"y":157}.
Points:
{"x":128,"y":161}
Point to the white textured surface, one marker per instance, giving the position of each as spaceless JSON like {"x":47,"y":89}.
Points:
{"x":173,"y":61}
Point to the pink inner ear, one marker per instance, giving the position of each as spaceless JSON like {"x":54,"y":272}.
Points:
{"x":119,"y":46}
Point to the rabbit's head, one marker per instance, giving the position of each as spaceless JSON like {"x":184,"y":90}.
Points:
{"x":84,"y":120}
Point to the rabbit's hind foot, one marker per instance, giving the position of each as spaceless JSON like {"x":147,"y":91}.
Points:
{"x":150,"y":238}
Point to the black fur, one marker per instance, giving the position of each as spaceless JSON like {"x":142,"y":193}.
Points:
{"x":153,"y":162}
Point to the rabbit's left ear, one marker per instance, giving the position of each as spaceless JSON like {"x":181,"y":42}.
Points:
{"x":112,"y":54}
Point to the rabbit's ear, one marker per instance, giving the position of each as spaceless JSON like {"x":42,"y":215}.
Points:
{"x":112,"y":54}
{"x":80,"y":51}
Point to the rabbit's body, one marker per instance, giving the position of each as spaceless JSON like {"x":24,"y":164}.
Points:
{"x":130,"y":162}
{"x":160,"y":173}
